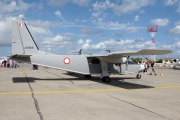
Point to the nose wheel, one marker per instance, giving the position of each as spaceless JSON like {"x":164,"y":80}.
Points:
{"x":138,"y":76}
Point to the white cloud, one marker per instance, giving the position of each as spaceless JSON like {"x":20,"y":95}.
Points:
{"x":80,"y":42}
{"x":88,"y":41}
{"x":129,"y":6}
{"x":177,"y":39}
{"x":100,"y":45}
{"x":38,"y":30}
{"x":136,"y":18}
{"x":96,"y":14}
{"x":88,"y":46}
{"x":160,"y":22}
{"x":175,"y":30}
{"x":57,"y":2}
{"x":171,"y":2}
{"x":69,"y":34}
{"x":99,"y":7}
{"x":177,"y":23}
{"x":81,"y":2}
{"x":131,"y":30}
{"x":87,"y":31}
{"x":166,"y":46}
{"x":12,"y":6}
{"x":113,"y":45}
{"x":111,"y":25}
{"x":102,"y":5}
{"x":57,"y":41}
{"x":175,"y":3}
{"x":178,"y":44}
{"x":62,"y":2}
{"x":58,"y":13}
{"x":5,"y":33}
{"x":41,"y":23}
{"x":21,"y":16}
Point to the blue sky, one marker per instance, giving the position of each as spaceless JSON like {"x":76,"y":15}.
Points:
{"x":66,"y":26}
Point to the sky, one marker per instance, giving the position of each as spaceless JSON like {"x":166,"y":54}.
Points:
{"x":66,"y":26}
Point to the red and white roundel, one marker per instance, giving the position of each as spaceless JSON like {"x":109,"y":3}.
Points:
{"x":66,"y":60}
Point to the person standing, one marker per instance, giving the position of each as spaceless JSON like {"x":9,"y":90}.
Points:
{"x":5,"y":63}
{"x":153,"y":64}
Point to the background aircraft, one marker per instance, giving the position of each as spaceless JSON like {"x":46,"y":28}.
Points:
{"x":25,"y":49}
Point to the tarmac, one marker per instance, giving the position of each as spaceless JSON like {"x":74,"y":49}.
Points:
{"x":51,"y":94}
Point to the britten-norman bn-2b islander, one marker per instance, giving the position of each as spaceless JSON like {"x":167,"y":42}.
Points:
{"x":25,"y":49}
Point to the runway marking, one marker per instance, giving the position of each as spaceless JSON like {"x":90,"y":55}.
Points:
{"x":85,"y":91}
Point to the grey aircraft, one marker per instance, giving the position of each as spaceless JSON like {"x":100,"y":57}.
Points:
{"x":25,"y":49}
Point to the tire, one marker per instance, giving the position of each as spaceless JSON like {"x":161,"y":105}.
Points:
{"x":106,"y":79}
{"x":138,"y":76}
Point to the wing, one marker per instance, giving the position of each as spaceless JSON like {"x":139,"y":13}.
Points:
{"x":142,"y":52}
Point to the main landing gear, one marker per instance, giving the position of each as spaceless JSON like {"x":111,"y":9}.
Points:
{"x":105,"y":73}
{"x":87,"y":76}
{"x":106,"y":79}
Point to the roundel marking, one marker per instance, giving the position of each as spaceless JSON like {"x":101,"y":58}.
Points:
{"x":66,"y":60}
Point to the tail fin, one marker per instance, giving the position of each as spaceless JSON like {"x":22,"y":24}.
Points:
{"x":22,"y":40}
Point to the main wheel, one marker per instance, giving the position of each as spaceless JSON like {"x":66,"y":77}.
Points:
{"x":138,"y":76}
{"x":106,"y":79}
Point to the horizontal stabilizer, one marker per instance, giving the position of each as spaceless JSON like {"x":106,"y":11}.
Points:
{"x":21,"y":58}
{"x":19,"y":55}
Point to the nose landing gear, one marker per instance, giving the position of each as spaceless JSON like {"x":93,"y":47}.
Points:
{"x":138,"y":76}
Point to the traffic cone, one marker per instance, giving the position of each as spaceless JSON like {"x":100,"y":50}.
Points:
{"x":21,"y":73}
{"x":161,"y":74}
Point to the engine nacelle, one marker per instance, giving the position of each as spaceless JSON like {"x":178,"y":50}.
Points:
{"x":113,"y":60}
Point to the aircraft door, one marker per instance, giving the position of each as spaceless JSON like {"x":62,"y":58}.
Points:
{"x":117,"y":67}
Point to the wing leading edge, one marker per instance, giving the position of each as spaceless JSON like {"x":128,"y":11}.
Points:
{"x":141,"y":52}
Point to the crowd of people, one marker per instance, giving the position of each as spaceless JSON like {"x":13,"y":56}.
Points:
{"x":9,"y":64}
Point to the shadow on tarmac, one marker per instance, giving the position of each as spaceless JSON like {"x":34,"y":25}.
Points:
{"x":115,"y":81}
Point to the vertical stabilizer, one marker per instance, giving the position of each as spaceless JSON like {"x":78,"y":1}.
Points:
{"x":22,"y":40}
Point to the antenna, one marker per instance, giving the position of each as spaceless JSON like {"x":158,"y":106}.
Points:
{"x":152,"y":30}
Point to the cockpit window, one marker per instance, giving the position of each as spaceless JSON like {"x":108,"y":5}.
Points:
{"x":131,"y":62}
